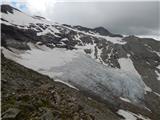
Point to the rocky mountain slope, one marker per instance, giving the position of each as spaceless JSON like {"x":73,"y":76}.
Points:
{"x":121,"y":72}
{"x":28,"y":95}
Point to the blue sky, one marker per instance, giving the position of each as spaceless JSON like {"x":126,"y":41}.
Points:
{"x":22,"y":6}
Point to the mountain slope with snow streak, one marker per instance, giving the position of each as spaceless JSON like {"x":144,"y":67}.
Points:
{"x":103,"y":65}
{"x":80,"y":70}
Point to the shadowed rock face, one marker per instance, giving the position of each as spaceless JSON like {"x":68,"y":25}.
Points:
{"x":103,"y":31}
{"x":99,"y":44}
{"x":7,"y":8}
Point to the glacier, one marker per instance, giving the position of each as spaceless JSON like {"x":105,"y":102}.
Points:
{"x":81,"y":71}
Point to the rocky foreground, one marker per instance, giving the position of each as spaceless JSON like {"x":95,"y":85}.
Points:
{"x":29,"y":95}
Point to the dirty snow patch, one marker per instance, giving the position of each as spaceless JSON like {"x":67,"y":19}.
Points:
{"x":147,"y":89}
{"x":66,"y":83}
{"x":131,"y":116}
{"x":158,"y":67}
{"x":157,"y":94}
{"x":126,"y":65}
{"x":125,"y":99}
{"x":127,"y":115}
{"x":148,"y":109}
{"x":158,"y":75}
{"x":10,"y":55}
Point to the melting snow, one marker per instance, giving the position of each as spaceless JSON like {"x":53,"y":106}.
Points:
{"x":150,"y":36}
{"x":10,"y":55}
{"x":127,"y":115}
{"x":88,"y":46}
{"x":50,"y":30}
{"x":115,"y":40}
{"x":66,"y":83}
{"x":147,"y":89}
{"x":77,"y":37}
{"x":158,"y":75}
{"x":125,"y":99}
{"x":126,"y":65}
{"x":157,"y":94}
{"x":148,"y":109}
{"x":131,"y":116}
{"x":99,"y":52}
{"x":158,"y":67}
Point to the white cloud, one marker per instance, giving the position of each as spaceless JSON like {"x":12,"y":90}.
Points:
{"x":40,"y":6}
{"x":118,"y":16}
{"x":34,"y":7}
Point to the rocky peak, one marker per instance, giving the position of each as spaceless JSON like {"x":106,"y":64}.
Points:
{"x":105,"y":32}
{"x":102,"y":30}
{"x":5,"y":8}
{"x":81,"y":28}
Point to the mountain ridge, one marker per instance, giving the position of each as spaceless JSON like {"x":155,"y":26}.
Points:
{"x":68,"y":47}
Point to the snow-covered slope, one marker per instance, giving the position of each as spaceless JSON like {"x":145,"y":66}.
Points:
{"x":82,"y":71}
{"x":95,"y":61}
{"x":20,"y":19}
{"x":24,"y":21}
